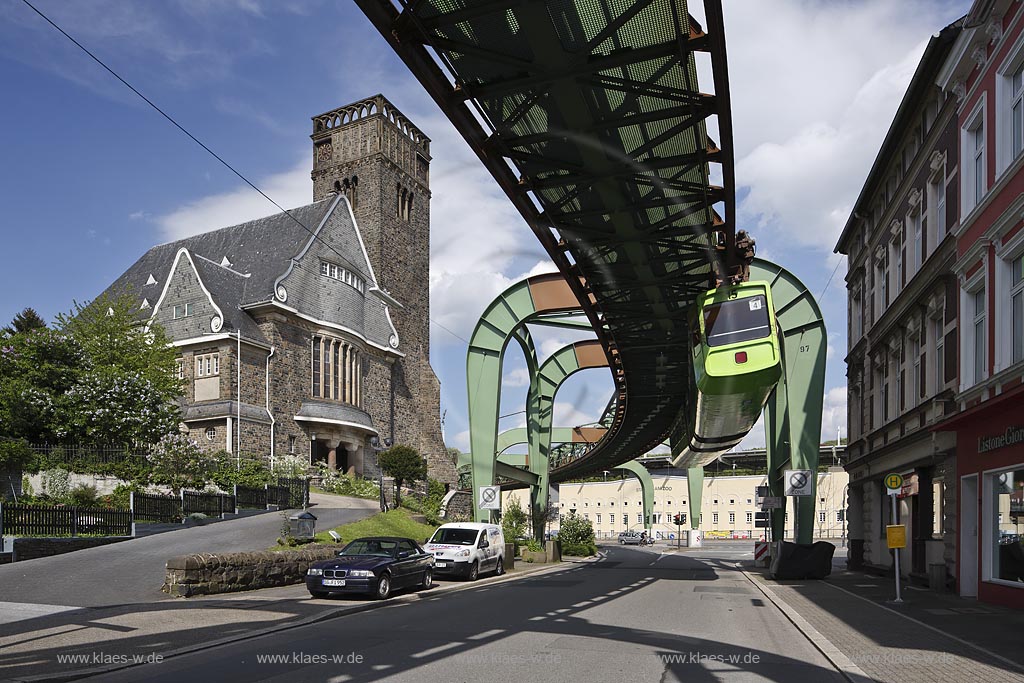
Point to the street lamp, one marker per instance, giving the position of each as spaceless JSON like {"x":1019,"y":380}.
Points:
{"x":375,"y":444}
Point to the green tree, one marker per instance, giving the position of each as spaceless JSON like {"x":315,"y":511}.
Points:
{"x":26,"y":321}
{"x":514,"y":519}
{"x":575,"y":530}
{"x":37,"y":367}
{"x":405,"y":465}
{"x":178,"y":462}
{"x":111,"y":334}
{"x":126,"y":390}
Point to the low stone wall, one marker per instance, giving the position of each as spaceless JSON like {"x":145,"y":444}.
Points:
{"x":210,"y":573}
{"x":34,"y":548}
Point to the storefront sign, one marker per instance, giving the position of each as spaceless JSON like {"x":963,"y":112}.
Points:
{"x":910,"y":486}
{"x":1011,"y":437}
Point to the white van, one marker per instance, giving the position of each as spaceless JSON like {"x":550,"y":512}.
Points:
{"x":467,"y":549}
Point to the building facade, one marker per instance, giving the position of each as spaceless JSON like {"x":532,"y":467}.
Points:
{"x":288,"y":340}
{"x":984,"y":76}
{"x":902,"y":328}
{"x":727,"y":505}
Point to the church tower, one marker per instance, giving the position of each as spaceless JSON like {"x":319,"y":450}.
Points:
{"x":376,"y":157}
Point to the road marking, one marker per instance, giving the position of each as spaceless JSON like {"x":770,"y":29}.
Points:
{"x":486,"y":634}
{"x":438,"y":649}
{"x":19,"y":611}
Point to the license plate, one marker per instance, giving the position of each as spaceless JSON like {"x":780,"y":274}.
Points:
{"x":334,"y":582}
{"x":440,"y":564}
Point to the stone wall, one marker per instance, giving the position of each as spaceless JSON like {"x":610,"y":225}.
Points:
{"x":207,"y":574}
{"x":33,"y":548}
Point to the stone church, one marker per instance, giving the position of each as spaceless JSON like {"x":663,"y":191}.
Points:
{"x":307,"y":332}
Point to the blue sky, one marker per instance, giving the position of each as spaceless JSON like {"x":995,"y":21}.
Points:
{"x":91,"y":177}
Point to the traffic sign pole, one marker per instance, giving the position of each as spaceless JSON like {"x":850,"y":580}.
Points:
{"x":896,"y":552}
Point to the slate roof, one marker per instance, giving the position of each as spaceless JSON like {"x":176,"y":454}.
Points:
{"x":258,"y":252}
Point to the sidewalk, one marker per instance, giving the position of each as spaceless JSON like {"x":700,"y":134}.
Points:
{"x":930,"y":638}
{"x":54,"y":643}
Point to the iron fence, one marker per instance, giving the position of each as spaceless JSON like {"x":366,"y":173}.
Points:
{"x":297,"y":492}
{"x":92,"y":454}
{"x":29,"y":520}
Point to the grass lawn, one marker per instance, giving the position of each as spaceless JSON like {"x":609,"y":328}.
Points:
{"x":391,"y":523}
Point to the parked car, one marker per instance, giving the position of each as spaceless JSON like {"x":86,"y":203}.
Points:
{"x":376,"y":565}
{"x":630,"y":538}
{"x":467,"y":549}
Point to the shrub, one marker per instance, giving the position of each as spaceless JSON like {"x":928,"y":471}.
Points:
{"x":121,"y":497}
{"x":534,"y":546}
{"x":55,"y":483}
{"x":514,"y":519}
{"x":179,"y":463}
{"x":579,"y":549}
{"x":576,"y":530}
{"x":244,"y":471}
{"x":14,"y":454}
{"x":342,"y":484}
{"x":83,"y":496}
{"x":405,"y":464}
{"x":290,"y":466}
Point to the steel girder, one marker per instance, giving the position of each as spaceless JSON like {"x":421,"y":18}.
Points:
{"x":597,"y":109}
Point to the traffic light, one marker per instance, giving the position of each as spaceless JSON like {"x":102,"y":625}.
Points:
{"x":677,"y":520}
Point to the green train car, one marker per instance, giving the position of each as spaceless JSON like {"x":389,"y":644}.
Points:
{"x":736,"y":364}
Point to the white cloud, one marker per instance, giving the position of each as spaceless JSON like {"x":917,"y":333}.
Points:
{"x":520,"y":377}
{"x":805,"y":136}
{"x":290,"y":188}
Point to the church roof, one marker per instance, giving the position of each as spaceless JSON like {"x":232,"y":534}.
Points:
{"x":242,"y":265}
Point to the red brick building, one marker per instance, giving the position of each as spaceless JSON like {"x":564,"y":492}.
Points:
{"x":985,"y":72}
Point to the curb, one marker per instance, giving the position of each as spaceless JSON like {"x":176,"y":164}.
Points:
{"x":78,"y":674}
{"x":843,"y":664}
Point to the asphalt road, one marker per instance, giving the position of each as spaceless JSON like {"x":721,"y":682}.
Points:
{"x":636,"y":615}
{"x":133,"y":571}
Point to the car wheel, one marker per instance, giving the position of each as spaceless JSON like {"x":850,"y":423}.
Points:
{"x":500,"y":568}
{"x":474,"y":571}
{"x":318,"y":594}
{"x":428,"y":579}
{"x":621,"y":542}
{"x":384,"y":587}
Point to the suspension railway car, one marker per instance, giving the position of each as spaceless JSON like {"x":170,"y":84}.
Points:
{"x":736,"y":364}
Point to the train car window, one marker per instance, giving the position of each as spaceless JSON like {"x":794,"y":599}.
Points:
{"x":738,"y":320}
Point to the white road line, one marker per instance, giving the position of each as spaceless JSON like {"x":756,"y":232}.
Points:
{"x":487,"y":634}
{"x":438,"y":649}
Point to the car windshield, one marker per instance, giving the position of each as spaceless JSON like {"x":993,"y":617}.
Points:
{"x":736,"y":321}
{"x":455,"y":536}
{"x":370,"y":547}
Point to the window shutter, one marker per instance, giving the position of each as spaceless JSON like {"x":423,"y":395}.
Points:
{"x":951,"y":306}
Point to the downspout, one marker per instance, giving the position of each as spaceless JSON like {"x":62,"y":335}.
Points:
{"x":394,"y":366}
{"x":238,"y":404}
{"x":269,"y":413}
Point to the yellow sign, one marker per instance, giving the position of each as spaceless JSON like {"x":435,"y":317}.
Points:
{"x":893,"y":481}
{"x":896,"y":536}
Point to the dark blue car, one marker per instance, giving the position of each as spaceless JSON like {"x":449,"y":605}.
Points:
{"x":375,"y":566}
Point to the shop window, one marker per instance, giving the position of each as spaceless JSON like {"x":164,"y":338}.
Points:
{"x":1006,"y":516}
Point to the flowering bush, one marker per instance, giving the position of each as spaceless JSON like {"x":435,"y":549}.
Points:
{"x":575,"y":531}
{"x":178,"y":462}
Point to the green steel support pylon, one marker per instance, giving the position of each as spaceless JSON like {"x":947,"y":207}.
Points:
{"x":646,"y":489}
{"x":695,"y":487}
{"x":528,"y":300}
{"x":793,"y":412}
